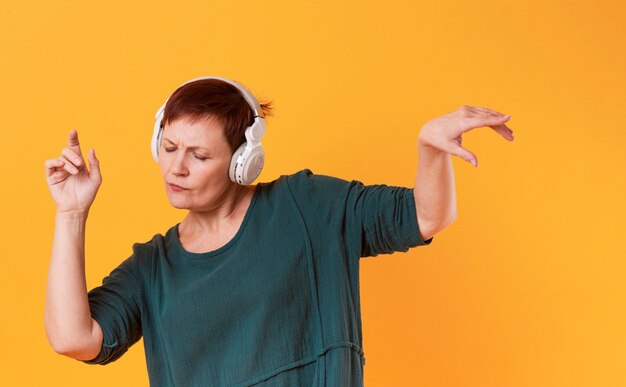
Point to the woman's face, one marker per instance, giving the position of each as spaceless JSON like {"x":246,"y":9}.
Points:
{"x":195,"y":157}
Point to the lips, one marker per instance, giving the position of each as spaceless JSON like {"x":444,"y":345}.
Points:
{"x":177,"y":187}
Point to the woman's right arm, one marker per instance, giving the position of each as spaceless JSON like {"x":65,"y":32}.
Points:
{"x":69,"y":326}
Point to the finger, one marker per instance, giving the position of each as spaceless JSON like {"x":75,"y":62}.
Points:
{"x":52,"y":166}
{"x":58,"y":176}
{"x":457,"y":150}
{"x":94,"y":165}
{"x":481,"y":121}
{"x":504,"y":131}
{"x":58,"y":171}
{"x":485,"y":110}
{"x":68,"y":166}
{"x":474,"y":110}
{"x":76,"y":159}
{"x":72,"y":141}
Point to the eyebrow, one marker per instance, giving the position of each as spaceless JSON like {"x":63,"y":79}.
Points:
{"x":189,"y":147}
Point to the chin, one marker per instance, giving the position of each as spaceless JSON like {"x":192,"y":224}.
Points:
{"x":180,"y":204}
{"x":180,"y":207}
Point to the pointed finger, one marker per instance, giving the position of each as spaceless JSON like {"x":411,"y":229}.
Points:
{"x":72,"y":141}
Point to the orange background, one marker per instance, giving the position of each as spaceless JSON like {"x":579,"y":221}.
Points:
{"x":526,"y":288}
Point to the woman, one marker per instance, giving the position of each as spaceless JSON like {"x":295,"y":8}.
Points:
{"x":258,"y":284}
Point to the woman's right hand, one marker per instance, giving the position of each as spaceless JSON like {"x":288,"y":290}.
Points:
{"x":72,"y":186}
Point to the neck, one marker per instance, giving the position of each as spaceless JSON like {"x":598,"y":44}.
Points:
{"x":231,"y":207}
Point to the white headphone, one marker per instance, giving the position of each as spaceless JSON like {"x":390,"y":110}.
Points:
{"x":247,"y":161}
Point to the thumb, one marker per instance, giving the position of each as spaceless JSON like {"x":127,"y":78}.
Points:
{"x":94,"y":165}
{"x":463,"y":153}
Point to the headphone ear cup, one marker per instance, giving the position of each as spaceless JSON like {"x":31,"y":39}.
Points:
{"x":244,"y":172}
{"x":157,"y":134}
{"x":232,"y":171}
{"x":254,"y":165}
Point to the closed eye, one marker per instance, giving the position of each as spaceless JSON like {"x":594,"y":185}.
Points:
{"x":202,"y":158}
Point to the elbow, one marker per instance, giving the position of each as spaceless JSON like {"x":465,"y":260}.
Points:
{"x":430,"y":229}
{"x":61,"y":348}
{"x":84,"y":345}
{"x":76,"y":353}
{"x":56,"y":340}
{"x":427,"y":231}
{"x":79,"y":350}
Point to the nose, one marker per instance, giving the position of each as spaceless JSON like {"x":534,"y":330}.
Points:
{"x":178,"y":164}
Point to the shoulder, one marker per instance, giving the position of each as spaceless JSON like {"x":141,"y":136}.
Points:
{"x":322,"y":195}
{"x":144,"y":254}
{"x":153,"y":244}
{"x":305,"y":181}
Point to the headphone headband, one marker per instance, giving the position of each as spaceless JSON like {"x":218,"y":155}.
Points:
{"x":252,"y":101}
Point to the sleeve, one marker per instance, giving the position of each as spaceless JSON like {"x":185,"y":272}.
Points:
{"x":387,"y":218}
{"x":382,"y":219}
{"x":116,"y":306}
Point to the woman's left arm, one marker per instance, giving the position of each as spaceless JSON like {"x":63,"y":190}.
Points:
{"x":434,"y":193}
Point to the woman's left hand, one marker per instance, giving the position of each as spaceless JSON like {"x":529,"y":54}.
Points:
{"x":445,"y":133}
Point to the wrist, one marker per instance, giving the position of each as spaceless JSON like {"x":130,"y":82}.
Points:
{"x":425,"y":137}
{"x":72,"y":214}
{"x":425,"y":148}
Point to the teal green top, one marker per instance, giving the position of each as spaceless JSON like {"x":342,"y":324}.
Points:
{"x":278,"y":305}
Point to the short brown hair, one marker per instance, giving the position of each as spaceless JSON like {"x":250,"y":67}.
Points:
{"x":214,"y":98}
